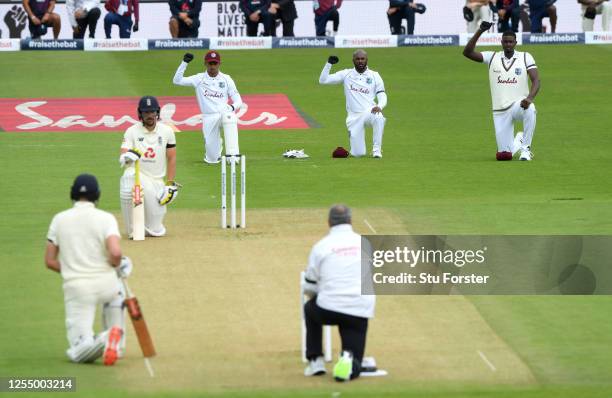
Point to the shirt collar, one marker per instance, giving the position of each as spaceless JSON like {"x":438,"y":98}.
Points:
{"x":340,"y":228}
{"x":83,"y":204}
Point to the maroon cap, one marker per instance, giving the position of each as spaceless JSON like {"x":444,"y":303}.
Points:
{"x":212,"y":56}
{"x":340,"y":153}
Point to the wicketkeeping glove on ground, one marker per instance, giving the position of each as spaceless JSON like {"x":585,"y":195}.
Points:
{"x":188,"y":57}
{"x":484,"y":25}
{"x":125,"y":267}
{"x":169,"y":193}
{"x":333,"y":59}
{"x":130,"y":156}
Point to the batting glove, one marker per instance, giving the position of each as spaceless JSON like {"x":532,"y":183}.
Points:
{"x":333,"y":59}
{"x":188,"y":57}
{"x":125,"y":267}
{"x":128,"y":157}
{"x":169,"y":193}
{"x":135,"y":28}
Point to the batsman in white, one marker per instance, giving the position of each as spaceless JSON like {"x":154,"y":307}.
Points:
{"x":333,"y":276}
{"x":510,"y":72}
{"x":213,"y":90}
{"x":361,"y":86}
{"x":83,"y":246}
{"x":154,"y":144}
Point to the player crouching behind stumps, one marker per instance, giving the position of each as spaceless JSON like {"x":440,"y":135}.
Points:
{"x":83,"y":246}
{"x":333,"y":276}
{"x":509,"y":75}
{"x":153,"y":144}
{"x":361,"y":86}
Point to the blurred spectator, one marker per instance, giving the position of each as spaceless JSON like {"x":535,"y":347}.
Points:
{"x":326,"y":10}
{"x":475,"y":12}
{"x":41,"y":17}
{"x":185,"y":19}
{"x":591,"y":8}
{"x":256,"y":12}
{"x":83,"y":14}
{"x":120,"y":14}
{"x":283,"y":10}
{"x":509,"y":14}
{"x":540,"y":9}
{"x":400,"y":9}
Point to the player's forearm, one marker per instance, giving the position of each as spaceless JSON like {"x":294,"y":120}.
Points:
{"x":326,"y":78}
{"x":179,"y":78}
{"x":381,"y":99}
{"x":535,"y":88}
{"x":171,"y":165}
{"x":236,"y":100}
{"x":51,"y":260}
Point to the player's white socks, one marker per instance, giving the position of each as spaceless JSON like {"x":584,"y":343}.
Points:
{"x":88,"y":349}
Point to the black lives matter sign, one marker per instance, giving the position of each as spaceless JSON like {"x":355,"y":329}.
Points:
{"x":230,"y":20}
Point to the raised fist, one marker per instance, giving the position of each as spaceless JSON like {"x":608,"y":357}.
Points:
{"x":188,"y":57}
{"x":135,"y":28}
{"x":333,"y":59}
{"x":484,"y":25}
{"x":15,"y":19}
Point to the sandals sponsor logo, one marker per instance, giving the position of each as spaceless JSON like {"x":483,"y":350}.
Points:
{"x":269,"y":111}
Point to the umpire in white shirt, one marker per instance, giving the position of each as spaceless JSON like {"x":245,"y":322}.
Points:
{"x":334,"y":275}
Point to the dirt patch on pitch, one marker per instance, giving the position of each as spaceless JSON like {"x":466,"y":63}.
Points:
{"x":224,"y":311}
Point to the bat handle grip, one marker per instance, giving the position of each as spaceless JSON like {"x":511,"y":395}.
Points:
{"x":128,"y":292}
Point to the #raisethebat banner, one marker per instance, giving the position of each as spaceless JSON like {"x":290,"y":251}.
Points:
{"x":224,"y":19}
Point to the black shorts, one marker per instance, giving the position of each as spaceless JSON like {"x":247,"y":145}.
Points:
{"x":188,"y":31}
{"x":37,"y":31}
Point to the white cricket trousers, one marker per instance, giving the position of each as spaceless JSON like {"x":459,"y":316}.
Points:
{"x":605,"y":10}
{"x":82,"y":296}
{"x":356,"y":124}
{"x":504,"y":125}
{"x":213,"y":143}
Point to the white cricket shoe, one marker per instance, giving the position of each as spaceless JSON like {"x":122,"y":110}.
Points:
{"x":315,"y":367}
{"x":517,"y":143}
{"x":526,"y":154}
{"x":377,"y":154}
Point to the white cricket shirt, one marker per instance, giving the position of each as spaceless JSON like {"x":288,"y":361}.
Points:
{"x":81,"y":233}
{"x":212,"y":92}
{"x":335,"y":265}
{"x":152,"y":145}
{"x":508,"y":77}
{"x":360,"y":89}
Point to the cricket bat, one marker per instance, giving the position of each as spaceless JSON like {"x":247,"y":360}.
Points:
{"x":138,"y":213}
{"x":140,"y":326}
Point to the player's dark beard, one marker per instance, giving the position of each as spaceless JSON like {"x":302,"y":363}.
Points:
{"x":361,"y":67}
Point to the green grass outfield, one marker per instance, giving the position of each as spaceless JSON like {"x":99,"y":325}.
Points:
{"x":438,"y":176}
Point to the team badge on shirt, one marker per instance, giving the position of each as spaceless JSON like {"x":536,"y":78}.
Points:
{"x":518,"y":71}
{"x":221,"y":84}
{"x":369,"y":80}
